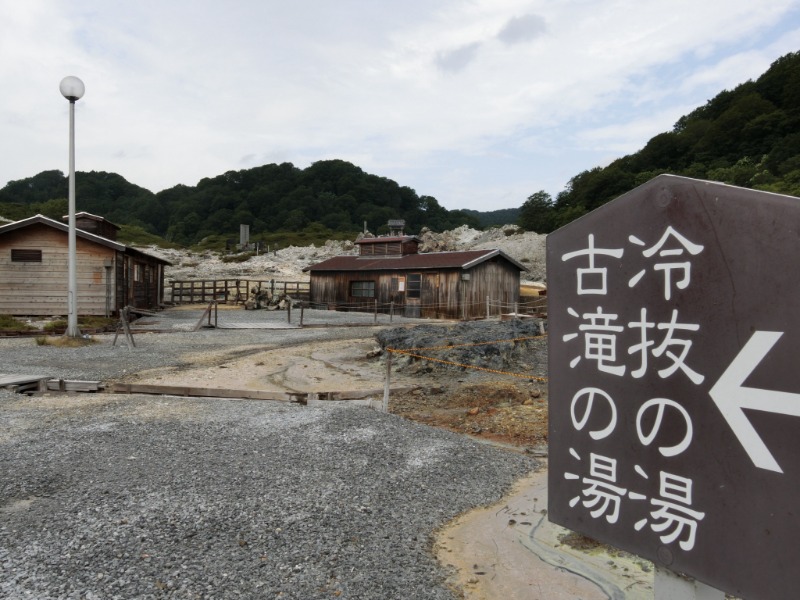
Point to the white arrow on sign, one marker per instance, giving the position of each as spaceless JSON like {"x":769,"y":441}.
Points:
{"x":731,"y":397}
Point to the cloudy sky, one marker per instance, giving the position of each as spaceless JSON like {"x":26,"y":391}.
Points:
{"x":479,"y":103}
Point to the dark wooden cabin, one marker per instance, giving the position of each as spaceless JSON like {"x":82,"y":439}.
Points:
{"x":446,"y":285}
{"x":34,"y":269}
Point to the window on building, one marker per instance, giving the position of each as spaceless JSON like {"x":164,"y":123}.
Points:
{"x":26,"y":255}
{"x":362,"y":289}
{"x":414,"y":284}
{"x":137,"y":272}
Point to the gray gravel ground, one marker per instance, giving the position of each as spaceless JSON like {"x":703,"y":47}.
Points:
{"x":233,"y":317}
{"x":104,"y":361}
{"x":113,"y":496}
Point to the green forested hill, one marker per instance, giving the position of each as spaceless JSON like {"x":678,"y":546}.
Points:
{"x":495,"y":218}
{"x":748,"y":136}
{"x":331,"y":195}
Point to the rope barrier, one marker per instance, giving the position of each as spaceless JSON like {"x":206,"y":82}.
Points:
{"x":449,"y":362}
{"x":448,"y":346}
{"x":369,"y":306}
{"x":413,"y":353}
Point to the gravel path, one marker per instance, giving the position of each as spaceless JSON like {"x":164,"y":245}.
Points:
{"x":113,"y":496}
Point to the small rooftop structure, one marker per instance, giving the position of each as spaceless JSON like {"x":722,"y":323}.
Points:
{"x":94,"y":224}
{"x":396,"y":227}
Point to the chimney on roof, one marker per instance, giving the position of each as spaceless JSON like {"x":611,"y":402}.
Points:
{"x":396,"y":227}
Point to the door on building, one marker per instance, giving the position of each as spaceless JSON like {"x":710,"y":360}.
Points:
{"x":429,"y":296}
{"x":413,"y":294}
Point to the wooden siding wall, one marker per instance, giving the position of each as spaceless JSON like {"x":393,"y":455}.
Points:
{"x":334,"y":287}
{"x":145,"y":286}
{"x":381,"y":249}
{"x":40,"y":288}
{"x":495,"y":278}
{"x":388,"y":248}
{"x":439,"y":294}
{"x":410,"y":247}
{"x":443,"y":293}
{"x":101,"y":228}
{"x":148,"y":291}
{"x":120,"y":281}
{"x":446,"y":295}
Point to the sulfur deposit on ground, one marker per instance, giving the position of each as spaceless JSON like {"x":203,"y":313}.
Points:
{"x":505,"y":403}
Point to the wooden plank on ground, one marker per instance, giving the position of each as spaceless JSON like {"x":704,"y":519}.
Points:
{"x":361,"y":394}
{"x":177,"y":390}
{"x":26,"y":382}
{"x":298,"y":397}
{"x":74,"y":385}
{"x":354,"y":395}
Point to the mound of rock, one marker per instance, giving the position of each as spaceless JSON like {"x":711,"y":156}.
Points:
{"x":284,"y":264}
{"x":509,"y":346}
{"x":287,"y":264}
{"x":526,"y":247}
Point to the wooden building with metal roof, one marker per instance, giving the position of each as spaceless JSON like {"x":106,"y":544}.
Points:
{"x":390,"y":272}
{"x":34,"y":265}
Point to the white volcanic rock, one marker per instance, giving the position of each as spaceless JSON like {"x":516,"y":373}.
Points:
{"x":287,"y":264}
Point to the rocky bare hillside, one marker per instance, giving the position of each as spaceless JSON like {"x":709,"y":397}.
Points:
{"x":287,"y":264}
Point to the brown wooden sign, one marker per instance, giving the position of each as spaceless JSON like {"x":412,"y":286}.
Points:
{"x":674,"y":349}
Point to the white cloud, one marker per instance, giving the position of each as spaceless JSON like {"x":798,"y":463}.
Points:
{"x":458,"y":58}
{"x":522,"y":29}
{"x":443,"y":96}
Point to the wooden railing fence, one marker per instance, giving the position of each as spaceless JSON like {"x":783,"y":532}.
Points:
{"x":231,"y":290}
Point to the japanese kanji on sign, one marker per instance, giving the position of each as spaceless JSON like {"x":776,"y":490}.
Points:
{"x":674,"y":337}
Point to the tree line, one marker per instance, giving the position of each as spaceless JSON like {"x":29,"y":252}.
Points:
{"x":748,"y":136}
{"x":329,"y":195}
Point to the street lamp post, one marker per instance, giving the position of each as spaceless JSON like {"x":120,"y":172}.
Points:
{"x":72,"y":89}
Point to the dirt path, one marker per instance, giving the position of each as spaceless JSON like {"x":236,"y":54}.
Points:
{"x":510,"y":551}
{"x":506,"y":410}
{"x":340,"y":365}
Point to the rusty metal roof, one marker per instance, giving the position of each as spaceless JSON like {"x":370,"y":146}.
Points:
{"x":434,"y":260}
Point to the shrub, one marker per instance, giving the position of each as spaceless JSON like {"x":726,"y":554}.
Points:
{"x":237,"y":258}
{"x":86,"y":321}
{"x":61,"y":341}
{"x":55,"y":325}
{"x":9,"y":323}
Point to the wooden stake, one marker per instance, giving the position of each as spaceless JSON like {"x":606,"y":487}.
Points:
{"x":207,"y":311}
{"x":386,"y":384}
{"x":123,"y":324}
